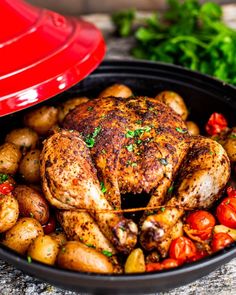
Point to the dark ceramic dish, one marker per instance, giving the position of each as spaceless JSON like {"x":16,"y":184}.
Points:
{"x":203,"y":95}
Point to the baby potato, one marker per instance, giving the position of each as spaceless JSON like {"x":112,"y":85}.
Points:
{"x":192,"y":128}
{"x":59,"y":237}
{"x":10,"y":157}
{"x":21,"y":235}
{"x":42,"y":119}
{"x":32,"y":203}
{"x":135,"y":262}
{"x":24,"y":138}
{"x":230,"y":147}
{"x":69,"y":105}
{"x":29,"y":167}
{"x":117,"y":90}
{"x":175,"y":102}
{"x":44,"y":249}
{"x":77,"y":256}
{"x":9,"y":212}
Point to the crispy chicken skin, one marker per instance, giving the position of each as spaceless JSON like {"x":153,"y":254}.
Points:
{"x":137,"y":144}
{"x":80,"y":226}
{"x":199,"y":183}
{"x":140,"y":145}
{"x":69,"y":181}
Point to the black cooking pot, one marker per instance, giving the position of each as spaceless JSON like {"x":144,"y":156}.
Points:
{"x":203,"y":95}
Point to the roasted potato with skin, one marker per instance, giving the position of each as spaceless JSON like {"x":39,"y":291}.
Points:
{"x":29,"y":167}
{"x":42,"y":119}
{"x":9,"y":212}
{"x":192,"y":128}
{"x":135,"y":262}
{"x":24,"y":138}
{"x":76,"y":256}
{"x":44,"y":249}
{"x":117,"y":90}
{"x":175,"y":102}
{"x":32,"y":203}
{"x":21,"y":235}
{"x":10,"y":156}
{"x":59,"y":237}
{"x":230,"y":146}
{"x":69,"y":105}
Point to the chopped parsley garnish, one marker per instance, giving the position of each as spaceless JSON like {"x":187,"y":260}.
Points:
{"x":170,"y":189}
{"x":163,"y":161}
{"x":3,"y":177}
{"x":130,"y":147}
{"x":90,"y":109}
{"x":103,"y":188}
{"x":63,"y":249}
{"x":29,"y":259}
{"x":138,"y":141}
{"x":163,"y":209}
{"x":180,"y":130}
{"x":90,"y":139}
{"x":139,"y":122}
{"x":107,"y":253}
{"x":134,"y":164}
{"x":104,"y":151}
{"x":31,"y":215}
{"x":90,"y":245}
{"x":129,"y":134}
{"x":137,"y":132}
{"x":233,"y":136}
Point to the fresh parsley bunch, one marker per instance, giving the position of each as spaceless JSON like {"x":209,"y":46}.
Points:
{"x":189,"y":34}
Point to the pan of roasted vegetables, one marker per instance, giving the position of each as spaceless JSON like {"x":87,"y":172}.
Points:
{"x":124,"y":183}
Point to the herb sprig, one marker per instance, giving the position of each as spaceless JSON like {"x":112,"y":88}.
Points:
{"x":189,"y":34}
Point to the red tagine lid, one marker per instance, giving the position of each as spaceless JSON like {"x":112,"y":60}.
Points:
{"x":42,"y":53}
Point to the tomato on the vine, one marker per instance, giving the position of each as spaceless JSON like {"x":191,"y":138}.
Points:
{"x":182,"y":249}
{"x":226,"y":212}
{"x":220,"y":241}
{"x":202,"y":222}
{"x":216,"y":124}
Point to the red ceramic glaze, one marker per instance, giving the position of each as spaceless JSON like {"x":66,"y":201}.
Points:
{"x":42,"y":53}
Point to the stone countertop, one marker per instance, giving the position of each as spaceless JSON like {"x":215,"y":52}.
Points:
{"x":220,"y":282}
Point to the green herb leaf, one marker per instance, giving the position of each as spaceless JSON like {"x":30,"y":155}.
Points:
{"x":90,"y":139}
{"x":163,"y":209}
{"x":3,"y":177}
{"x":90,"y":108}
{"x":180,"y":130}
{"x":103,"y":188}
{"x":107,"y":253}
{"x":170,"y":189}
{"x":130,"y":147}
{"x":29,"y":259}
{"x":90,"y":246}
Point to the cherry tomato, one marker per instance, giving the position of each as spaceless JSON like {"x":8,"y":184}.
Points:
{"x":165,"y":264}
{"x":216,"y":124}
{"x":220,"y":241}
{"x":50,"y":226}
{"x":226,"y":212}
{"x":182,"y":249}
{"x":202,"y":222}
{"x":6,"y":188}
{"x":199,"y":255}
{"x":170,"y":263}
{"x":231,"y":192}
{"x":153,"y":266}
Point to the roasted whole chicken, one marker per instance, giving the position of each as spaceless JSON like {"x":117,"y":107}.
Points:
{"x":112,"y":146}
